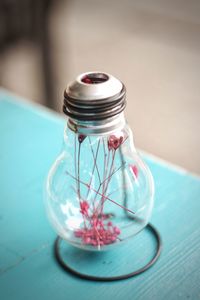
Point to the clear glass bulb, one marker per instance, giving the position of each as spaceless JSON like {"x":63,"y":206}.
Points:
{"x":99,"y":192}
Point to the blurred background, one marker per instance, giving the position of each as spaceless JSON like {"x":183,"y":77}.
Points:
{"x":153,"y":46}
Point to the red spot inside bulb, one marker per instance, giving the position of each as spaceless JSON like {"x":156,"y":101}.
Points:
{"x":87,"y":80}
{"x":135,"y":171}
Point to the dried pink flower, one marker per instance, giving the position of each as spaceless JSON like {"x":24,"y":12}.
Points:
{"x":81,"y":138}
{"x":114,"y":142}
{"x":84,"y":207}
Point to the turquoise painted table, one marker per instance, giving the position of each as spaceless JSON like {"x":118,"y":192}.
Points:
{"x":30,"y":139}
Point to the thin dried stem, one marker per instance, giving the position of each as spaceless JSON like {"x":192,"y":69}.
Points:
{"x":109,"y":199}
{"x":95,"y":164}
{"x":75,"y":159}
{"x":114,"y":172}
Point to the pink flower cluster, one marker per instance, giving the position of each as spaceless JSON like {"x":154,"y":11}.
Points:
{"x":98,"y":234}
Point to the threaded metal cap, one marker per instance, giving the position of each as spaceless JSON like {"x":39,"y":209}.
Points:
{"x":94,"y":96}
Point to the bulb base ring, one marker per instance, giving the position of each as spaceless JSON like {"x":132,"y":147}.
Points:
{"x":96,"y":109}
{"x":151,"y":262}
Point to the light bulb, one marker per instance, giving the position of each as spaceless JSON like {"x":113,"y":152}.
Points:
{"x":99,"y":192}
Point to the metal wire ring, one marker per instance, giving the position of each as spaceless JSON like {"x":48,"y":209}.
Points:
{"x":67,"y":268}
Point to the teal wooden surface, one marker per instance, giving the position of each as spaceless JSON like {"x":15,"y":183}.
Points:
{"x":30,"y":139}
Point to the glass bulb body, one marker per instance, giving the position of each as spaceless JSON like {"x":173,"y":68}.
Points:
{"x":99,"y":192}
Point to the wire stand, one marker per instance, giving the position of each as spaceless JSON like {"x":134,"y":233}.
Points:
{"x":67,"y":268}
